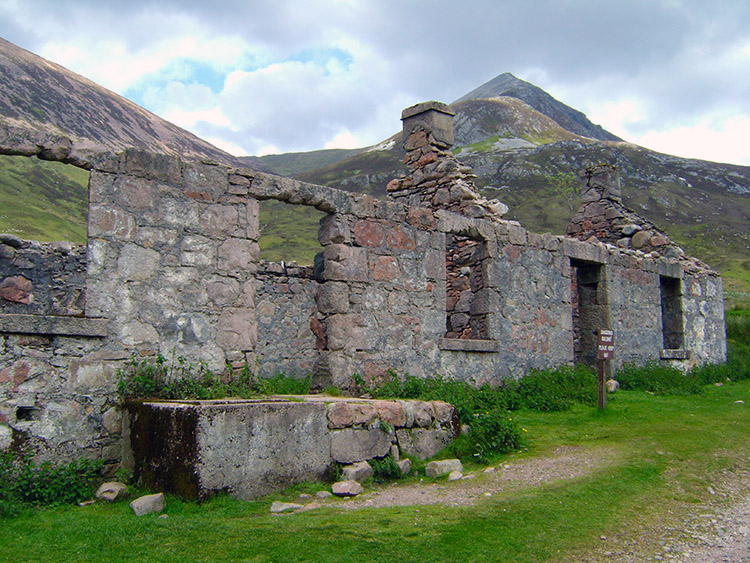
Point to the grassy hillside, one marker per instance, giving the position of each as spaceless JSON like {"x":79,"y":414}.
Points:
{"x":289,"y":232}
{"x":291,"y":163}
{"x":42,"y":200}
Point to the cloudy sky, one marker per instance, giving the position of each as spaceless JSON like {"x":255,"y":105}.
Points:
{"x":258,"y":77}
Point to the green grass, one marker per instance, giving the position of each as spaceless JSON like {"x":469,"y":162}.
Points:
{"x":42,"y":200}
{"x":663,"y":452}
{"x":289,"y":232}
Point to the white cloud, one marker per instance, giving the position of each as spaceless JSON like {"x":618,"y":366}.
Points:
{"x":720,"y":139}
{"x":295,"y":75}
{"x":343,"y":140}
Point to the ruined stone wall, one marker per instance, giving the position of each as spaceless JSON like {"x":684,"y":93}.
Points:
{"x":287,"y":314}
{"x":56,"y":382}
{"x":58,"y":271}
{"x":172,"y":268}
{"x":382,"y":299}
{"x":703,"y":314}
{"x":172,"y":252}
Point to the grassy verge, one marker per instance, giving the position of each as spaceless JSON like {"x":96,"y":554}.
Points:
{"x":668,"y":450}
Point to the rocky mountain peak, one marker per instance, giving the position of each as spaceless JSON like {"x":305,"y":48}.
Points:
{"x":568,"y":118}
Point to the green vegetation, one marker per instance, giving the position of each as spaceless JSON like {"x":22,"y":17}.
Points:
{"x":289,"y":164}
{"x":178,"y":379}
{"x":385,"y":469}
{"x":25,"y":483}
{"x":43,"y":200}
{"x":652,"y":458}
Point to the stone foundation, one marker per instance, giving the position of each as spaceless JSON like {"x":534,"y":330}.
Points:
{"x":250,"y":448}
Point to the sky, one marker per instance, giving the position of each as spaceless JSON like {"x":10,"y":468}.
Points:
{"x":275,"y":76}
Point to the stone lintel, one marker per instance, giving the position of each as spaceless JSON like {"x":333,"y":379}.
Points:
{"x":585,"y":251}
{"x":469,"y":345}
{"x":670,"y":269}
{"x":52,"y":325}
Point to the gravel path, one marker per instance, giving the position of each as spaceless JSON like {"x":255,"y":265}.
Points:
{"x":717,"y":531}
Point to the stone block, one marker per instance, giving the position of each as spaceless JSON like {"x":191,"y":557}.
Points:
{"x":278,"y":507}
{"x":334,"y":230}
{"x":237,"y":330}
{"x":333,"y":297}
{"x":219,"y":220}
{"x":16,"y":289}
{"x":345,"y":332}
{"x":423,"y":414}
{"x":237,"y":254}
{"x":345,"y":263}
{"x":197,"y":251}
{"x":421,"y":442}
{"x":640,"y":239}
{"x":360,"y":472}
{"x":443,"y":467}
{"x":137,"y":263}
{"x":346,"y":489}
{"x":369,"y":233}
{"x":111,"y":491}
{"x":400,"y":239}
{"x":385,"y":268}
{"x":351,"y":445}
{"x":363,"y":414}
{"x":112,"y":420}
{"x":405,"y":466}
{"x":148,"y":504}
{"x":391,"y":412}
{"x":339,"y":415}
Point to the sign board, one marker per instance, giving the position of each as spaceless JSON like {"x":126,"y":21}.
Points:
{"x":605,"y":349}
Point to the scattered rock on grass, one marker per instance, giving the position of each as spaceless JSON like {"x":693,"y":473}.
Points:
{"x":278,"y":507}
{"x":347,"y":489}
{"x":405,"y":466}
{"x":442,"y":467}
{"x":148,"y":504}
{"x":455,"y":476}
{"x":111,"y":491}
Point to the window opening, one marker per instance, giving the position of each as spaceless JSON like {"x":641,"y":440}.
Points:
{"x":464,"y":278}
{"x":671,"y":313}
{"x":589,"y":312}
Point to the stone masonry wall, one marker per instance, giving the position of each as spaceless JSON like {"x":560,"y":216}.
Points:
{"x":287,"y":316}
{"x":172,"y":268}
{"x":58,"y":271}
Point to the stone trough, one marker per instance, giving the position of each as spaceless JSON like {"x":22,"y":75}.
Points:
{"x":249,"y":448}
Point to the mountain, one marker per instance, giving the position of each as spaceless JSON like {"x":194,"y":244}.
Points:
{"x":527,"y":148}
{"x":75,"y":118}
{"x":571,"y":119}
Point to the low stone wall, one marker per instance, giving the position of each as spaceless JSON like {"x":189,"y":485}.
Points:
{"x":253,"y":447}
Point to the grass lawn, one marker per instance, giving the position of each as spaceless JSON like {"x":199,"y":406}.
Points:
{"x":668,"y":451}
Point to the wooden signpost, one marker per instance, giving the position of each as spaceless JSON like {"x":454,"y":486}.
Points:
{"x":605,"y":351}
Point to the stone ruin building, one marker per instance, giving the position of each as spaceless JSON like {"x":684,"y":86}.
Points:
{"x":431,"y":280}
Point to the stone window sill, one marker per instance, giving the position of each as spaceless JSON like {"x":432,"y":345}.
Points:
{"x":469,"y":345}
{"x":675,"y":354}
{"x":51,"y":325}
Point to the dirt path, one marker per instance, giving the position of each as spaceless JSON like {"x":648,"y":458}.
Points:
{"x":566,"y":462}
{"x":717,"y":531}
